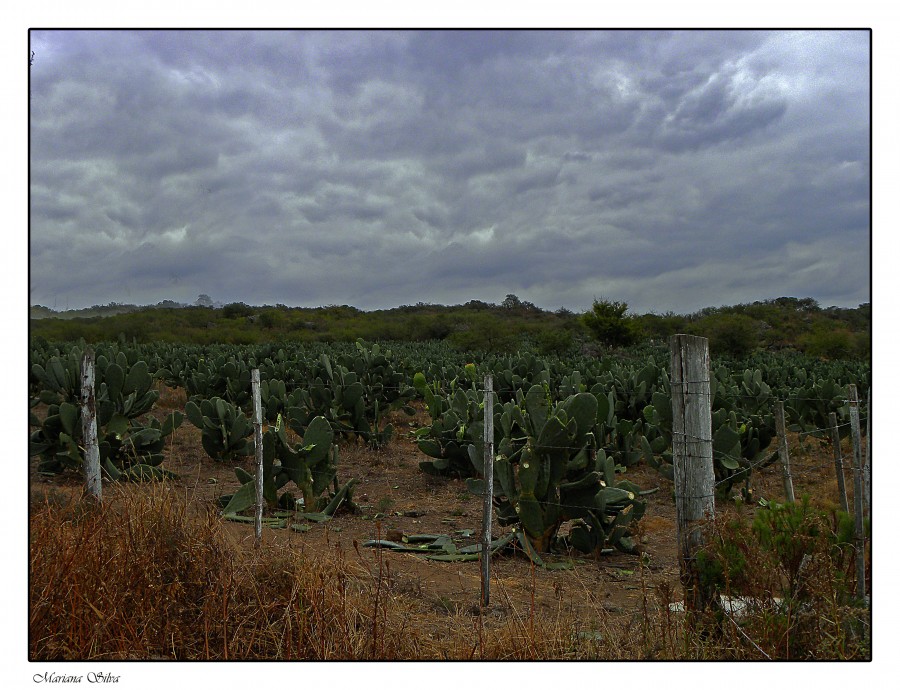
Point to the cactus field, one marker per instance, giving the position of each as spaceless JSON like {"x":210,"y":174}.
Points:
{"x":372,"y":456}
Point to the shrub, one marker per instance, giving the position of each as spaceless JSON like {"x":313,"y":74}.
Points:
{"x":731,"y":334}
{"x":271,"y":318}
{"x":793,"y":567}
{"x":236,"y":310}
{"x":830,"y":344}
{"x":554,"y":341}
{"x":608,"y":323}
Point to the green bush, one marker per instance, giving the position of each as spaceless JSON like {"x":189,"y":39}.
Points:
{"x":271,"y":318}
{"x":793,"y":567}
{"x":483,"y":331}
{"x":736,"y":335}
{"x":608,"y":323}
{"x":555,"y":341}
{"x":236,"y":310}
{"x":830,"y":344}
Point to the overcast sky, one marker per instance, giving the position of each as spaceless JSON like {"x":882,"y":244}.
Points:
{"x":671,"y":170}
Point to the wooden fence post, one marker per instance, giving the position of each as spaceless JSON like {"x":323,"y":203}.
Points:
{"x":838,"y":461}
{"x":91,"y":466}
{"x":783,"y":452}
{"x":257,"y":437}
{"x":692,"y":457}
{"x":858,"y":495}
{"x":488,"y":490}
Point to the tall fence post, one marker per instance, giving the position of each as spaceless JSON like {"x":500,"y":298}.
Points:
{"x":91,"y":466}
{"x":257,"y":437}
{"x":858,"y":495}
{"x":488,"y":490}
{"x":783,"y":452}
{"x":692,"y":457}
{"x":838,"y":461}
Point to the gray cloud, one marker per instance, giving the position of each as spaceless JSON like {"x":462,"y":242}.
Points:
{"x":673,"y":170}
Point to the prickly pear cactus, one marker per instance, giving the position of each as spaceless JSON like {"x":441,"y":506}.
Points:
{"x":450,"y":439}
{"x":741,"y":435}
{"x":124,"y":392}
{"x":225,"y":429}
{"x":310,"y":464}
{"x":548,"y":472}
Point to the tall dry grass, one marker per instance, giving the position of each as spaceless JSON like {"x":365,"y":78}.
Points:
{"x":146,"y":575}
{"x":142,"y":576}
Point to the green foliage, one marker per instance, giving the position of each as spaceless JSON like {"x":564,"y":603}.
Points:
{"x":548,"y":472}
{"x":127,"y":448}
{"x":225,"y":429}
{"x":555,"y":342}
{"x":484,"y":332}
{"x":355,"y":393}
{"x":724,"y":567}
{"x":736,"y":335}
{"x":831,"y":343}
{"x":608,"y":323}
{"x":236,"y":310}
{"x":783,"y":549}
{"x":311,"y":464}
{"x":799,"y":324}
{"x":448,"y":439}
{"x":789,"y":531}
{"x":661,"y":326}
{"x":219,"y":376}
{"x":271,"y":318}
{"x":742,"y":423}
{"x":792,"y":569}
{"x":809,"y":407}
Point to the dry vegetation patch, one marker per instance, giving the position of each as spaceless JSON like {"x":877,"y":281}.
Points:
{"x":155,"y":573}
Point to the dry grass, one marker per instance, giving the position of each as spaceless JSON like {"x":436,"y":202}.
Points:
{"x":141,"y":577}
{"x":150,"y":575}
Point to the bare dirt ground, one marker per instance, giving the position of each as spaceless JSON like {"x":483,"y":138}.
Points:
{"x":395,"y":498}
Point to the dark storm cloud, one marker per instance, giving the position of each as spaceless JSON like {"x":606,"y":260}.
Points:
{"x":674,"y":170}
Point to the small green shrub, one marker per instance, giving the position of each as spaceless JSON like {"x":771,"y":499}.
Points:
{"x":794,"y":565}
{"x":608,"y":323}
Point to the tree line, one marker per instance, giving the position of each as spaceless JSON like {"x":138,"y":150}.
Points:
{"x":785,"y":323}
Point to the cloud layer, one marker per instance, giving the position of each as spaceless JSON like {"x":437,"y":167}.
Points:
{"x":671,"y":170}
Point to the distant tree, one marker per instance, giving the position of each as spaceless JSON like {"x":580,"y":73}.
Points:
{"x":511,"y":302}
{"x":204,"y":301}
{"x":168,"y":304}
{"x":477,"y":305}
{"x":661,"y":326}
{"x":236,"y":310}
{"x":806,"y":304}
{"x":608,"y":323}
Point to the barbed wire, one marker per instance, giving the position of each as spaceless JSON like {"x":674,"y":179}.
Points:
{"x":737,"y":474}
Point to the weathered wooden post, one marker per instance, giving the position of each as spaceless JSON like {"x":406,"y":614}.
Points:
{"x":488,"y":490}
{"x":92,"y":482}
{"x":257,"y":438}
{"x":838,"y":461}
{"x":858,"y":495}
{"x":692,"y":457}
{"x":783,"y":452}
